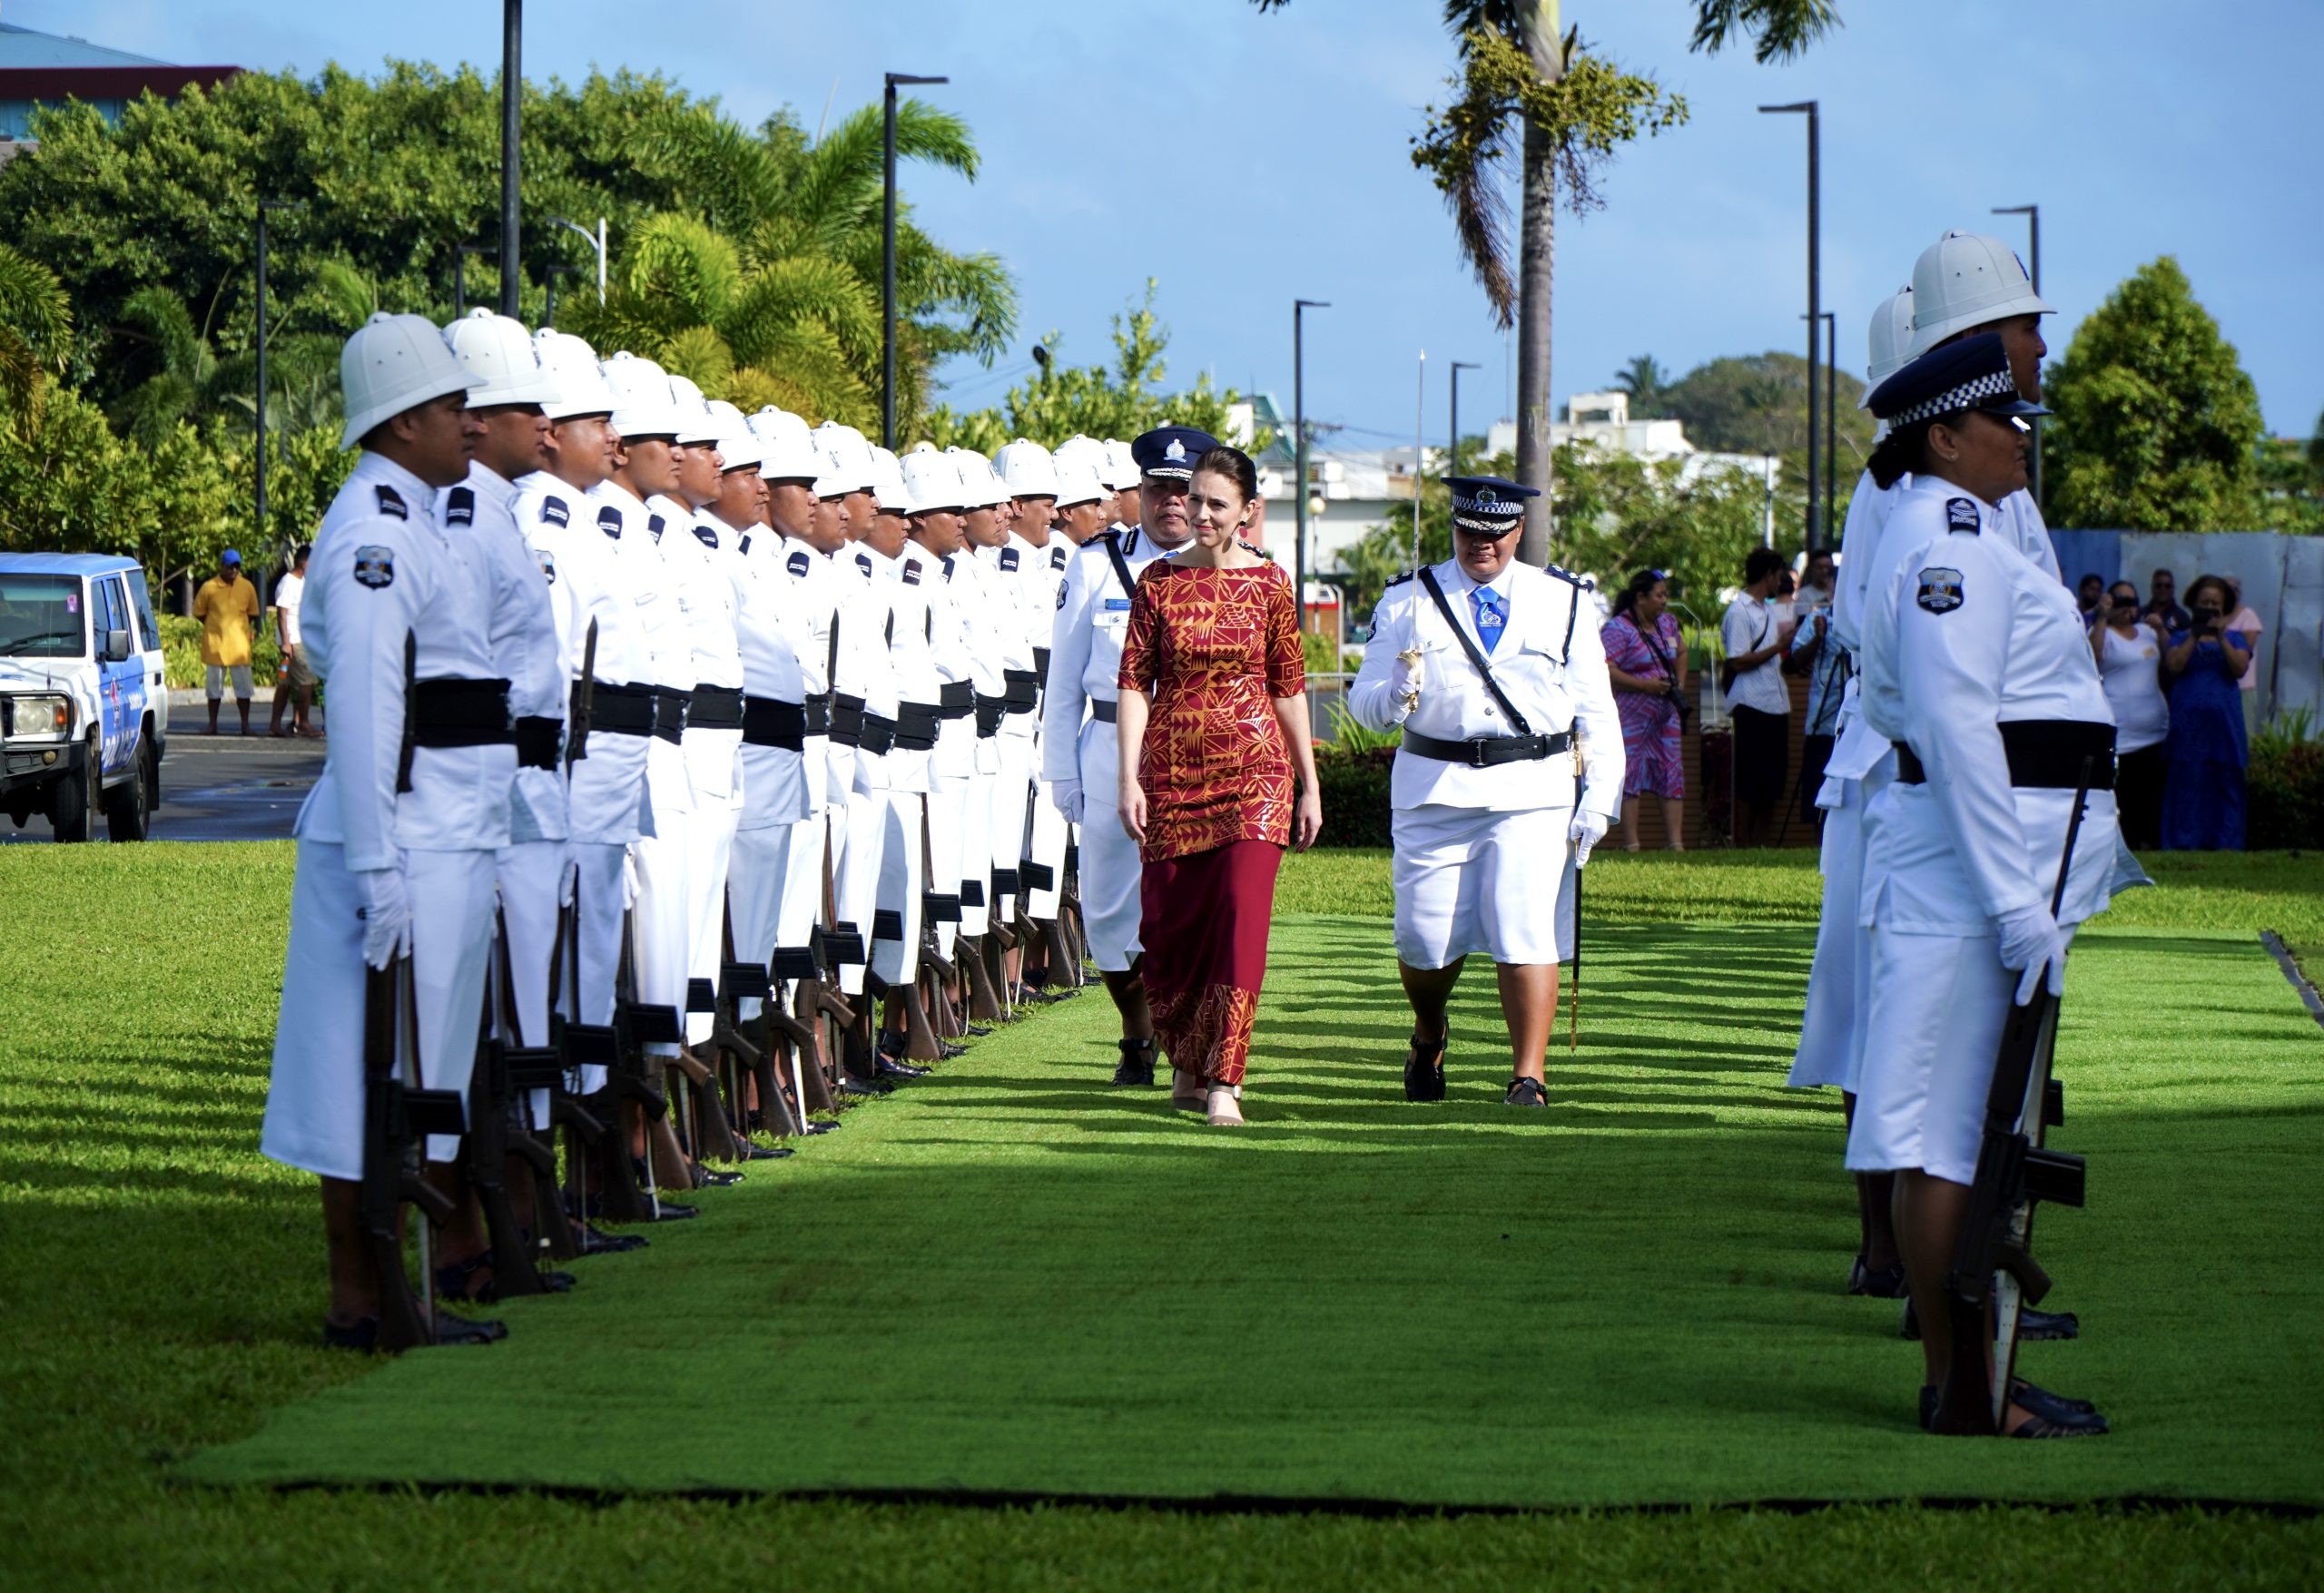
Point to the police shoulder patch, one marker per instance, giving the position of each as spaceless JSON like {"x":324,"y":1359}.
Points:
{"x":863,"y":563}
{"x":1960,"y":514}
{"x":706,"y":535}
{"x":609,"y":521}
{"x":391,"y":504}
{"x":459,"y":506}
{"x":912,"y":572}
{"x":554,"y":513}
{"x":1008,"y":558}
{"x":1060,"y":594}
{"x":375,"y":566}
{"x":654,"y":524}
{"x":1940,"y":590}
{"x":798,"y":564}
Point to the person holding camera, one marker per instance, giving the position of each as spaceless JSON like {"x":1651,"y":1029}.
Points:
{"x":1646,"y":660}
{"x":2128,"y":647}
{"x":1755,"y":632}
{"x":2202,"y":789}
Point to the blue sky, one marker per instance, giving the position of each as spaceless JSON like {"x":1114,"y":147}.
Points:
{"x":1245,"y":160}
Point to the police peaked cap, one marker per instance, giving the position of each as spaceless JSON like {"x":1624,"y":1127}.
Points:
{"x":1171,"y":451}
{"x":1972,"y":374}
{"x":1488,"y":506}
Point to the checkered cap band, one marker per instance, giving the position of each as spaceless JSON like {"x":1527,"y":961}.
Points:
{"x":1972,"y":394}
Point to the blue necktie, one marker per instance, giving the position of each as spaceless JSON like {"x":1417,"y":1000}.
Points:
{"x":1489,"y":617}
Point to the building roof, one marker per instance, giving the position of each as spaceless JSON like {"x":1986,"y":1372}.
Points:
{"x":21,"y":48}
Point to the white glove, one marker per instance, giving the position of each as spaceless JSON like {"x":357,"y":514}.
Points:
{"x":2031,"y":939}
{"x":1586,"y":830}
{"x":629,"y":878}
{"x":1403,"y":685}
{"x":569,"y":882}
{"x":386,"y":913}
{"x":1066,"y":795}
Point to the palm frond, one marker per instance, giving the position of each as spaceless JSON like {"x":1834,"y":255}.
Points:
{"x":348,"y":295}
{"x":701,"y":356}
{"x":801,"y":291}
{"x":165,"y":322}
{"x":1781,"y":29}
{"x":34,"y":305}
{"x":683,"y":263}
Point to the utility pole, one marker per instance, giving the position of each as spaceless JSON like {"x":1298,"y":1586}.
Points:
{"x":1453,"y":448}
{"x":888,"y":263}
{"x":1831,"y":410}
{"x":2032,"y":215}
{"x":1815,"y":301}
{"x":1299,"y":308}
{"x":512,"y":100}
{"x":264,"y":205}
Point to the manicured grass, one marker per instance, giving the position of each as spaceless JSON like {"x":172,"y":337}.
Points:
{"x":159,"y":1282}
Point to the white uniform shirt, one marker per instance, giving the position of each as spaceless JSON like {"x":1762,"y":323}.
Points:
{"x":581,"y":564}
{"x":526,"y":647}
{"x":692,"y":550}
{"x":917,"y":593}
{"x":641,"y":574}
{"x":865,"y":669}
{"x":383,"y":569}
{"x":1015,"y":565}
{"x":1549,"y":661}
{"x":1965,"y":633}
{"x":1086,"y":641}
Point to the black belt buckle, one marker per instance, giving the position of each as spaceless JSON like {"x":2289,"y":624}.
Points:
{"x":1477,"y":749}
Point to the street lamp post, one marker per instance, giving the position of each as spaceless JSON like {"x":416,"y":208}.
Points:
{"x":595,"y":241}
{"x":1831,"y":410}
{"x":1299,"y":309}
{"x":888,"y":263}
{"x":2032,"y":215}
{"x":1453,"y":448}
{"x":264,"y":205}
{"x":1815,"y":301}
{"x":512,"y":100}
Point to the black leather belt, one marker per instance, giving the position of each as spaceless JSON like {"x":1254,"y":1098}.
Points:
{"x":537,"y":738}
{"x":619,"y":710}
{"x":770,"y":722}
{"x":1487,"y":751}
{"x":818,"y":709}
{"x":2045,"y":754}
{"x":1105,"y":709}
{"x":1024,"y":691}
{"x":879,"y":734}
{"x":714,"y":708}
{"x":847,"y":719}
{"x":955,"y":700}
{"x":670,"y":713}
{"x":451,"y":712}
{"x":990,"y":711}
{"x":916,"y":726}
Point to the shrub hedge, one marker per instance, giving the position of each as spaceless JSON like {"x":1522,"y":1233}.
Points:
{"x":2284,"y":794}
{"x":1354,"y":788}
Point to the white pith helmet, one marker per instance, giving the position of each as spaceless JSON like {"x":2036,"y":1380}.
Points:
{"x":697,"y":425}
{"x":498,"y":354}
{"x":978,"y":481}
{"x":931,"y":480}
{"x":786,"y":448}
{"x":393,"y":363}
{"x":1027,"y":467}
{"x":1965,"y":280}
{"x":572,"y":366}
{"x":643,"y":405}
{"x":736,"y":445}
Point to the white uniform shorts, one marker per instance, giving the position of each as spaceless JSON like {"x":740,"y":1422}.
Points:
{"x":1473,"y":879}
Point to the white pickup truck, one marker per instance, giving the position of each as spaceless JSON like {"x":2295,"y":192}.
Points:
{"x":83,"y":713}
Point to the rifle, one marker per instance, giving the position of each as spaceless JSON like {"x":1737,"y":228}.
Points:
{"x":584,"y":694}
{"x":1992,"y":1264}
{"x":619,"y":1049}
{"x":398,"y":1117}
{"x":507,"y":1069}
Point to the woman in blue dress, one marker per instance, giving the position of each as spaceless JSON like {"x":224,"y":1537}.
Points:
{"x":2202,"y":794}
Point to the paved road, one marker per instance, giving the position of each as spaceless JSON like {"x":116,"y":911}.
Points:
{"x":226,"y":787}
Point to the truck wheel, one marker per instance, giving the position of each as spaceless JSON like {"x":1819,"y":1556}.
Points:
{"x":127,"y":817}
{"x":74,"y":813}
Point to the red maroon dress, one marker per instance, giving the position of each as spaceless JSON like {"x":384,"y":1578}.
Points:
{"x":1214,"y":649}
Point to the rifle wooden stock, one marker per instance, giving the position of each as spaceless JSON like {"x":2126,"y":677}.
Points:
{"x":396,"y":1118}
{"x":488,"y":1146}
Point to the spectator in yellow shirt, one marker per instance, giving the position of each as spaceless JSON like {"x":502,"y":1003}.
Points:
{"x":228,"y":608}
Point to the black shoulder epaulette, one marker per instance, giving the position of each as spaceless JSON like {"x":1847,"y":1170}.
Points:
{"x":1961,"y":515}
{"x":391,"y":502}
{"x":609,"y":521}
{"x":1581,"y":581}
{"x":459,"y":506}
{"x":706,"y":535}
{"x":1056,"y":558}
{"x":1398,"y":580}
{"x":912,"y":572}
{"x":654,"y":524}
{"x":1009,"y":558}
{"x":743,"y":546}
{"x":553,"y":512}
{"x":799,"y":563}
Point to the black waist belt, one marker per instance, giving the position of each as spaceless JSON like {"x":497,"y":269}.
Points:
{"x":455,"y":713}
{"x":818,"y":710}
{"x":622,"y":710}
{"x":1105,"y":709}
{"x":770,"y":722}
{"x":990,"y":711}
{"x":1041,"y":665}
{"x":1024,"y":689}
{"x":847,"y":719}
{"x":714,"y":708}
{"x":537,"y":740}
{"x":2045,"y":754}
{"x":1490,"y":750}
{"x":879,"y":734}
{"x":669,"y":712}
{"x":916,"y":726}
{"x":955,"y":700}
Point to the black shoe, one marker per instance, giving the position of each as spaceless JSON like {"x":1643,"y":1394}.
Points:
{"x":2061,"y":1422}
{"x":848,"y":1084}
{"x":592,"y":1241}
{"x":2042,"y":1403}
{"x":946,"y":1050}
{"x":1887,"y":1284}
{"x":1424,"y":1069}
{"x":361,"y":1335}
{"x":711,"y":1179}
{"x":1136,"y":1068}
{"x":752,"y":1152}
{"x":826,"y":1125}
{"x":978,"y":1030}
{"x":670,"y":1210}
{"x":457,"y":1280}
{"x":889,"y":1068}
{"x":1525,"y":1092}
{"x":2041,"y":1326}
{"x":892,"y":1043}
{"x":462,"y":1330}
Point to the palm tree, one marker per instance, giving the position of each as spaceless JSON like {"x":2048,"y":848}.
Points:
{"x":1648,"y":384}
{"x":1574,"y":110}
{"x":35,"y":328}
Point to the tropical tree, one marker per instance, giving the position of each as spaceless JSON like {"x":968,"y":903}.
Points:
{"x":35,"y":330}
{"x":1648,"y":385}
{"x":1571,"y":111}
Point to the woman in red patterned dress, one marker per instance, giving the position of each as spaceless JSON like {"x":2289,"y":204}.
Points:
{"x":1213,"y":717}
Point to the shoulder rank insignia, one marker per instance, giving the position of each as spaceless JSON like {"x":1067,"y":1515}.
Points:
{"x":654,"y":524}
{"x":1398,"y":580}
{"x":1940,"y":590}
{"x":375,"y":566}
{"x":798,"y":564}
{"x":912,"y":572}
{"x":1008,"y":558}
{"x":706,"y":537}
{"x":459,"y":506}
{"x":609,"y":521}
{"x":1581,"y":583}
{"x":863,"y":563}
{"x":947,"y":562}
{"x":553,"y":512}
{"x":391,"y":504}
{"x":743,"y":546}
{"x":1056,"y":558}
{"x":1960,"y":514}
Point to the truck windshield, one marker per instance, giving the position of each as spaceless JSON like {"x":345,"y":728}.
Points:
{"x":42,"y":616}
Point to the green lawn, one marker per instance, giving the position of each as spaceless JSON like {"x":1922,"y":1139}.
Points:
{"x":989,"y":1279}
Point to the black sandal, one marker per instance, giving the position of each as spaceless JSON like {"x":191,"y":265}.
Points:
{"x":1137,"y":1066}
{"x":1525,"y":1092}
{"x":1425,"y":1068}
{"x":1887,"y":1284}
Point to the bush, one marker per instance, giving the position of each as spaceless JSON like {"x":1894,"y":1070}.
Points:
{"x":1354,"y":788}
{"x":2284,"y":791}
{"x":181,"y":654}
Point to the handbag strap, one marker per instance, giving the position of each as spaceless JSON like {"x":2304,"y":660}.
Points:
{"x":1517,"y":720}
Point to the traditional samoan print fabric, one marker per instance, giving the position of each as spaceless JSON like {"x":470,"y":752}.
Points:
{"x":1652,"y":732}
{"x":1214,"y":648}
{"x":1203,"y":922}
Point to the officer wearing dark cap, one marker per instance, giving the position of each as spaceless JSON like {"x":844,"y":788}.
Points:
{"x":1496,"y":674}
{"x":1079,"y":753}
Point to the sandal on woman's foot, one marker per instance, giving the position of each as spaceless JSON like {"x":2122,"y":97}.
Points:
{"x":1137,"y":1066}
{"x":1223,"y":1106}
{"x":1425,"y":1068}
{"x":1187,"y":1092}
{"x":1525,"y":1092}
{"x":1887,"y":1284}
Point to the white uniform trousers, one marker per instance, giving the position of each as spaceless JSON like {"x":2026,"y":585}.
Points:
{"x":528,"y":874}
{"x":1111,"y":869}
{"x":755,"y":886}
{"x":947,"y":837}
{"x":607,"y":800}
{"x":1839,"y":980}
{"x":896,"y":918}
{"x":710,"y":844}
{"x":976,"y":841}
{"x":1045,"y":847}
{"x":314,"y":1104}
{"x":802,"y":905}
{"x":1012,"y":795}
{"x":1475,"y":879}
{"x":856,"y":885}
{"x":601,"y":899}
